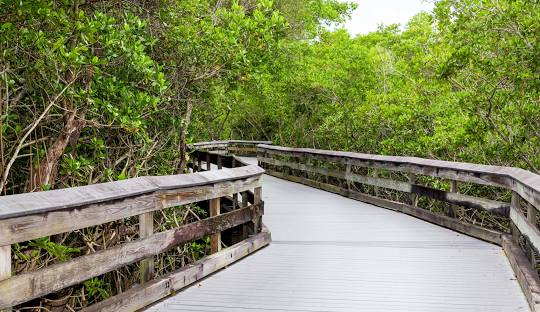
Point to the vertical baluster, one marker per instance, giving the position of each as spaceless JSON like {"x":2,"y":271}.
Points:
{"x":208,"y":164}
{"x":515,"y":204}
{"x":531,"y":217}
{"x":245,"y":203}
{"x":5,"y":266}
{"x":215,"y":239}
{"x":375,"y":174}
{"x":452,"y":210}
{"x":146,"y":229}
{"x":257,"y":200}
{"x":412,"y":196}
{"x":219,"y":162}
{"x":199,"y":162}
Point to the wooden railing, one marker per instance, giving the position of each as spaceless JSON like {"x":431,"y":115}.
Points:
{"x":30,"y":216}
{"x":395,"y":183}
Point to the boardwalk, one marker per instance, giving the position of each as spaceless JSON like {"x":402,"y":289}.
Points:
{"x":331,"y":253}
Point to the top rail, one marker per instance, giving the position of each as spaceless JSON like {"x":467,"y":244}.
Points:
{"x":523,"y":182}
{"x":358,"y":176}
{"x":29,"y":216}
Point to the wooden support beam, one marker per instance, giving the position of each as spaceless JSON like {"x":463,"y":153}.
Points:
{"x":219,"y":162}
{"x":412,"y":197}
{"x":29,"y":285}
{"x":199,"y":163}
{"x":146,"y":229}
{"x":531,"y":217}
{"x":5,"y":267}
{"x":138,"y":297}
{"x":452,"y":210}
{"x":235,"y":201}
{"x":515,"y":205}
{"x":375,"y":174}
{"x":245,"y":203}
{"x":257,"y":200}
{"x":215,"y":239}
{"x":208,"y":163}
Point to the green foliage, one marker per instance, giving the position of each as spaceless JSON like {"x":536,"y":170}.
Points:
{"x":57,"y":251}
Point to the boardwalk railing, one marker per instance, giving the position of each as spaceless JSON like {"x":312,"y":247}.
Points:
{"x":395,"y":183}
{"x":30,"y":216}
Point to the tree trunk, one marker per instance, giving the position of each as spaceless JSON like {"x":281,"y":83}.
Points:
{"x":46,"y":171}
{"x":183,"y":135}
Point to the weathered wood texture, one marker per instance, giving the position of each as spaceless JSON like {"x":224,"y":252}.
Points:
{"x":526,"y":276}
{"x":524,"y":184}
{"x":5,"y":268}
{"x":334,"y":254}
{"x":26,"y":286}
{"x":140,"y":297}
{"x":493,"y":206}
{"x":29,"y":216}
{"x":146,"y":229}
{"x":169,"y":191}
{"x":215,"y":240}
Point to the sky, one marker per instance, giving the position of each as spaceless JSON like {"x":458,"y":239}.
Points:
{"x":371,"y":13}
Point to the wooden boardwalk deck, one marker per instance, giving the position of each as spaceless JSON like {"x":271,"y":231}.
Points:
{"x":331,"y":253}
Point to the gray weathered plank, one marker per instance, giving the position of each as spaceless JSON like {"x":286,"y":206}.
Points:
{"x":26,"y":286}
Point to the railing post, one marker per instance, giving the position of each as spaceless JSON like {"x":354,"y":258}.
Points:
{"x":453,"y":208}
{"x":347,"y":176}
{"x":208,"y":164}
{"x":375,"y":174}
{"x":515,"y":203}
{"x":412,"y":196}
{"x":215,"y":239}
{"x":5,"y":266}
{"x":219,"y":162}
{"x":199,"y":162}
{"x":257,"y":200}
{"x":531,"y":217}
{"x":194,"y":161}
{"x":245,"y":203}
{"x":146,"y":229}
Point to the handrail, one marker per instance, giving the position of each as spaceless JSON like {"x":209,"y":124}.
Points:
{"x":345,"y":173}
{"x":28,"y":216}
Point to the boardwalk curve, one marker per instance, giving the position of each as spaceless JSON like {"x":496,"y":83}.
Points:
{"x":331,"y":253}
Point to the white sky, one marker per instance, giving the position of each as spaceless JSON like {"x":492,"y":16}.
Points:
{"x":371,"y":13}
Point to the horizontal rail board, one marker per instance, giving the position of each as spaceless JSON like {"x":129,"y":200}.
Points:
{"x":525,"y":274}
{"x":492,"y":206}
{"x":27,"y":286}
{"x":24,"y":228}
{"x":39,"y":202}
{"x":139,"y":297}
{"x":526,"y":228}
{"x":456,"y":225}
{"x":525,"y":183}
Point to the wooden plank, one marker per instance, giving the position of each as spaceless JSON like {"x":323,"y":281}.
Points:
{"x":219,"y":162}
{"x":146,"y":229}
{"x":525,"y":275}
{"x":19,"y":229}
{"x":139,"y":297}
{"x":26,"y":286}
{"x":257,"y":200}
{"x":492,"y":206}
{"x":527,"y":229}
{"x":215,"y":240}
{"x":456,"y":225}
{"x":526,"y":183}
{"x":452,"y":210}
{"x":5,"y":268}
{"x":41,"y":202}
{"x":412,"y":196}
